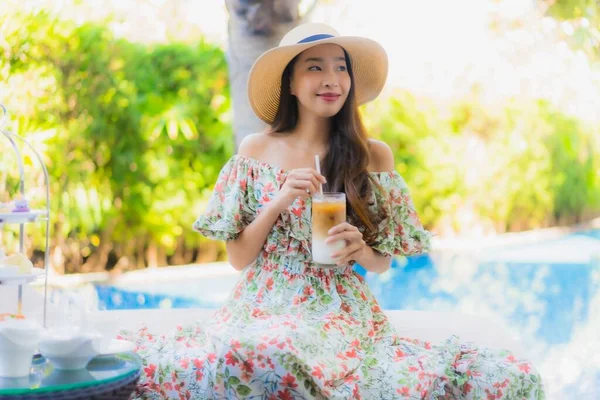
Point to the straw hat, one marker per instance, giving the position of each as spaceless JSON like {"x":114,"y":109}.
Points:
{"x":368,"y":58}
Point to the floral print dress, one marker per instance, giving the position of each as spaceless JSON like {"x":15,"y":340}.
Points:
{"x":293,"y":330}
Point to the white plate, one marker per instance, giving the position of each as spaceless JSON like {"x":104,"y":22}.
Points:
{"x":20,"y":217}
{"x":21,"y":278}
{"x":115,"y":347}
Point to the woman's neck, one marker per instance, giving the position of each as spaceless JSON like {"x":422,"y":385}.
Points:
{"x":313,"y":131}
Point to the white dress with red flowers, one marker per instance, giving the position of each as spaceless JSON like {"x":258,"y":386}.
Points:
{"x":292,"y":330}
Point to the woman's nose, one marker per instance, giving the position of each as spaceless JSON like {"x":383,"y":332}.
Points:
{"x":330,"y":80}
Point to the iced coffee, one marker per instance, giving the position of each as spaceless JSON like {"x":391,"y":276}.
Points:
{"x":328,"y":210}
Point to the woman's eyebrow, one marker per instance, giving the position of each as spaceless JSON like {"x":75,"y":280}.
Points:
{"x":320,"y":59}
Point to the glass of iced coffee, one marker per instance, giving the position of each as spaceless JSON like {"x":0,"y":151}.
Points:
{"x":328,"y":210}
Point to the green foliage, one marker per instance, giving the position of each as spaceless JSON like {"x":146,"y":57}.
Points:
{"x":523,"y":166}
{"x":584,"y":18}
{"x":135,"y":134}
{"x":134,"y":137}
{"x":570,"y":9}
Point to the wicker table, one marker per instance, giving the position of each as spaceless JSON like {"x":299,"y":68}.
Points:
{"x":108,"y":377}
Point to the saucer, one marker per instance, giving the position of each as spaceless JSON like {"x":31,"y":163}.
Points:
{"x":116,"y":346}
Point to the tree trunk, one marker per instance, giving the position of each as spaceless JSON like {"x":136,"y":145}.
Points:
{"x":178,"y":258}
{"x":140,"y":259}
{"x":152,"y":255}
{"x":161,"y":257}
{"x":98,"y":260}
{"x":254,"y":27}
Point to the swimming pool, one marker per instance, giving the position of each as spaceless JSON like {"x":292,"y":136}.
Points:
{"x":546,"y":293}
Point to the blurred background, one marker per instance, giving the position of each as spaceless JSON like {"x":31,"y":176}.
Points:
{"x":491,"y":109}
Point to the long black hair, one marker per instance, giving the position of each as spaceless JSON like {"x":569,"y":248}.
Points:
{"x":347,"y":159}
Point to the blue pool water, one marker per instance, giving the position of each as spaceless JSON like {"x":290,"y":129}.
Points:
{"x":546,"y":294}
{"x":552,"y":297}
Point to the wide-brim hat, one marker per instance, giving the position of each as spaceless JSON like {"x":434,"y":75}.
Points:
{"x":368,"y":59}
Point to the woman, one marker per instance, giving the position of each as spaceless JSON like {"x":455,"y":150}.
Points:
{"x":292,"y":329}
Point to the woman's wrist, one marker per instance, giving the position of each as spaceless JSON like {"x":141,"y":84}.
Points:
{"x":275,"y":206}
{"x":366,"y":255}
{"x":373,"y":261}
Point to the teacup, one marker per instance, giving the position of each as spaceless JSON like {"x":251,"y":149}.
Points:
{"x":18,"y":342}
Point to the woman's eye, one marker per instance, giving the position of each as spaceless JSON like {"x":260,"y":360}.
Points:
{"x":342,"y":68}
{"x":314,"y":68}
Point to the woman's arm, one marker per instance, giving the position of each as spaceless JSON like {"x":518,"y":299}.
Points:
{"x":356,"y":249}
{"x":246,"y":247}
{"x":373,"y":261}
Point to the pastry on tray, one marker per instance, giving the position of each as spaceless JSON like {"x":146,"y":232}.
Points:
{"x":21,"y":205}
{"x":19,"y":260}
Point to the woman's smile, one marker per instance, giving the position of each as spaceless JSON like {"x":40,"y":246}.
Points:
{"x":329,"y":97}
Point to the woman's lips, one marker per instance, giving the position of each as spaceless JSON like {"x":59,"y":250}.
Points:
{"x":329,"y":97}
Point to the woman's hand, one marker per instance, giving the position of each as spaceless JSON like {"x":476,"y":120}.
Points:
{"x":300,"y":182}
{"x":355,"y":245}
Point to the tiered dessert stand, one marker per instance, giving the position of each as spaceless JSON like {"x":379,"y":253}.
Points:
{"x":23,"y":218}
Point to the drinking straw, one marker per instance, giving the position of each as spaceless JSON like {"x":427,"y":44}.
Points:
{"x":318,"y":165}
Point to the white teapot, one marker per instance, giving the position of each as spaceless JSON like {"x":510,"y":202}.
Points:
{"x":19,"y":340}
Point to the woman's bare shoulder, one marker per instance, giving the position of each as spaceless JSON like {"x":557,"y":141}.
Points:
{"x":256,"y":145}
{"x":381,"y":157}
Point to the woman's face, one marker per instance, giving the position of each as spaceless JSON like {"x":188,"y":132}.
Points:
{"x":320,"y":80}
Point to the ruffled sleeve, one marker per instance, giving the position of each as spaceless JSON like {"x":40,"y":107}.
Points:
{"x":401,"y":233}
{"x":229,"y":209}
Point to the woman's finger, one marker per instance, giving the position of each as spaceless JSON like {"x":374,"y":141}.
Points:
{"x":311,"y":178}
{"x":344,"y":226}
{"x":302,"y":176}
{"x":304,"y":185}
{"x":350,"y":257}
{"x":320,"y":178}
{"x":346,"y":251}
{"x":300,"y":193}
{"x":349,"y":236}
